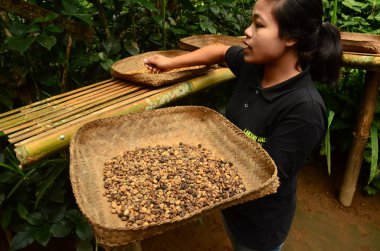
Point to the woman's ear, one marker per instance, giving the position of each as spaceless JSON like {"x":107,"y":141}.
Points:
{"x":290,"y":42}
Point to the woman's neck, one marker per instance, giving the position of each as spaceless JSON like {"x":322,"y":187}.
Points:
{"x":281,"y":69}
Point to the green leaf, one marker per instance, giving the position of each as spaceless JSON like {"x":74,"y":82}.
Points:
{"x":83,"y":230}
{"x":112,"y":45}
{"x":131,"y":47}
{"x":19,"y":44}
{"x":18,"y":29}
{"x":61,"y":229}
{"x":201,"y":8}
{"x":73,"y":215}
{"x":203,"y":25}
{"x":34,"y":29}
{"x":47,"y":18}
{"x":355,"y":5}
{"x":22,"y":211}
{"x":107,"y":64}
{"x":35,"y":218}
{"x":70,"y":7}
{"x":327,"y":141}
{"x":46,"y":41}
{"x":22,"y":239}
{"x":57,"y":214}
{"x":84,"y":246}
{"x":146,"y":4}
{"x":172,"y":22}
{"x":374,"y":153}
{"x":53,"y":28}
{"x":87,"y":18}
{"x":212,"y":29}
{"x":177,"y":31}
{"x":14,"y":169}
{"x":43,"y":235}
{"x":215,"y":9}
{"x":6,"y":217}
{"x":370,"y":190}
{"x":84,"y":61}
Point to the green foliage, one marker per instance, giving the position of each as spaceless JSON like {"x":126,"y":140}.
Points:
{"x":354,"y":16}
{"x":326,"y":149}
{"x":38,"y":204}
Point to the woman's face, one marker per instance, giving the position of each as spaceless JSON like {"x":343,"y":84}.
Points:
{"x":262,"y":40}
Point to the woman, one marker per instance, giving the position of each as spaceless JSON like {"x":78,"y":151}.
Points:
{"x":274,"y":103}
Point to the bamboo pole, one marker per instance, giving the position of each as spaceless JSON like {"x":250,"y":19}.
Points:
{"x":362,"y":61}
{"x":74,"y":115}
{"x":361,"y":134}
{"x":51,"y":109}
{"x":6,"y":115}
{"x":89,"y":117}
{"x":64,"y":111}
{"x":37,"y":148}
{"x":28,"y":114}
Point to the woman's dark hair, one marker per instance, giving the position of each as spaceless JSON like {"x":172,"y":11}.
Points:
{"x":318,"y":42}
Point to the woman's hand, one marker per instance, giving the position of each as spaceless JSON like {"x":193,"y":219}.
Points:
{"x":158,"y":63}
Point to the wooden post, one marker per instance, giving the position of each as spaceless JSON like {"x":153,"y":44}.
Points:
{"x":361,"y":134}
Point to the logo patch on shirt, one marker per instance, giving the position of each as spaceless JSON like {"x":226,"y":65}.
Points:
{"x":258,"y":139}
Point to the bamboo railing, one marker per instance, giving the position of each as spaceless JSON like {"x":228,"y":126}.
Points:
{"x":45,"y":127}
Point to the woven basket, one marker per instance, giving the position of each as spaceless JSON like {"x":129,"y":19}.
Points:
{"x":134,"y":70}
{"x":98,"y":141}
{"x":360,"y":43}
{"x":199,"y":41}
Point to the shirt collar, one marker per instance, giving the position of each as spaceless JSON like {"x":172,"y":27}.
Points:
{"x":300,"y":80}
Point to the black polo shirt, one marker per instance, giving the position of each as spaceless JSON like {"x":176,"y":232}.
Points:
{"x":288,"y":120}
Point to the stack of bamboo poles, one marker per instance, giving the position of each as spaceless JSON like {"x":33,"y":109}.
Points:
{"x":45,"y":127}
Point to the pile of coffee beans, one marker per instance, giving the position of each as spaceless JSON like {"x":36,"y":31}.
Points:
{"x":161,"y":183}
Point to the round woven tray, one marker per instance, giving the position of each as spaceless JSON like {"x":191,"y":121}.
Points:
{"x":134,"y":70}
{"x":360,"y":43}
{"x":199,"y":41}
{"x":98,"y":141}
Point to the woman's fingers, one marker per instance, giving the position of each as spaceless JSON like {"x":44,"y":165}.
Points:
{"x":150,"y":64}
{"x":156,"y":63}
{"x":152,"y":68}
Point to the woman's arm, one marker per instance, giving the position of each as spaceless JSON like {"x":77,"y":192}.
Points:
{"x":208,"y":55}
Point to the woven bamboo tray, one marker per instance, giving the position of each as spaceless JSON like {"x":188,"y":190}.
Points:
{"x":198,"y":41}
{"x":360,"y":43}
{"x":98,"y":141}
{"x":134,"y":70}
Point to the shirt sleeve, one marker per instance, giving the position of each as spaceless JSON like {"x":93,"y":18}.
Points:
{"x":234,"y":58}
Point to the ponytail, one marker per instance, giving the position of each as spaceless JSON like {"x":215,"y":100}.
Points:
{"x":327,"y":59}
{"x":318,"y":43}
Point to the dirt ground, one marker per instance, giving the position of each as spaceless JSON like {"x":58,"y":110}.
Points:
{"x":321,"y":223}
